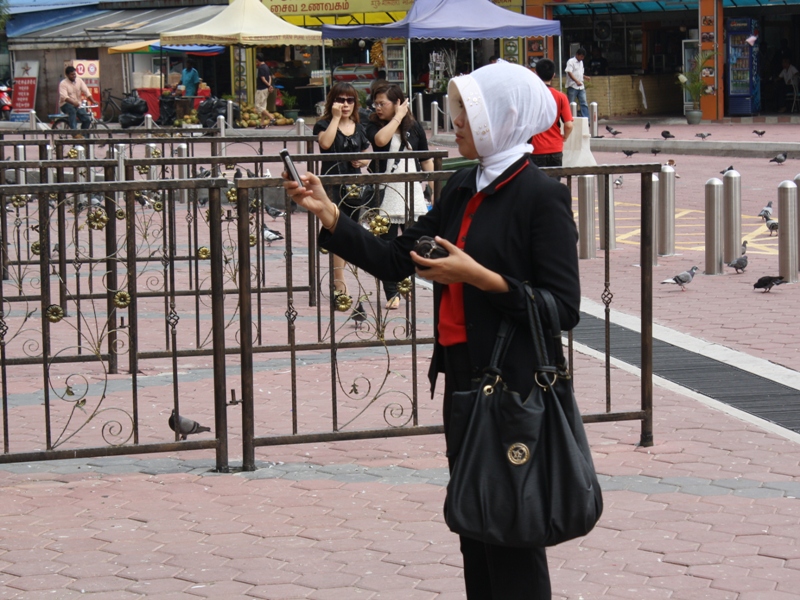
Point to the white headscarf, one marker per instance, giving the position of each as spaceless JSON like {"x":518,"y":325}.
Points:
{"x":506,"y":105}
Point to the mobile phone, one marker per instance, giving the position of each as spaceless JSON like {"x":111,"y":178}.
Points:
{"x":290,"y":168}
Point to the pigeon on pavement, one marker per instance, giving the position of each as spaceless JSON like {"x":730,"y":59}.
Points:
{"x":618,"y":182}
{"x":655,"y":151}
{"x":359,"y":315}
{"x":275,"y":213}
{"x":766,"y":212}
{"x":647,"y":126}
{"x":740,"y":264}
{"x":744,"y":247}
{"x":767,"y":282}
{"x":759,"y":132}
{"x":612,"y":131}
{"x":682,"y":279}
{"x":780,"y":159}
{"x":270,"y":235}
{"x":187,"y":426}
{"x":702,"y":136}
{"x":772,"y":225}
{"x":726,"y":170}
{"x":666,"y":135}
{"x":630,"y":153}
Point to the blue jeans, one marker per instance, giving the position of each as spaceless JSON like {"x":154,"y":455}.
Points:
{"x":572,"y":93}
{"x":73,"y":114}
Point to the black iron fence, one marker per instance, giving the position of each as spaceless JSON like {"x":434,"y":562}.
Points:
{"x":158,"y":291}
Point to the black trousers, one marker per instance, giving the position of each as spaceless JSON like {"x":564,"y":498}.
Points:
{"x":390,"y":287}
{"x":493,"y":572}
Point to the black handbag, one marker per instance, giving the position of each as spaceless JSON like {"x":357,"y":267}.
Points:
{"x":521,"y":469}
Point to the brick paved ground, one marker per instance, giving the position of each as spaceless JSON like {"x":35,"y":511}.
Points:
{"x":710,"y":511}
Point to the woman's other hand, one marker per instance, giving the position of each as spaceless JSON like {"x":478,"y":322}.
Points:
{"x":359,"y":164}
{"x":311,"y":196}
{"x":401,"y":109}
{"x":459,"y":267}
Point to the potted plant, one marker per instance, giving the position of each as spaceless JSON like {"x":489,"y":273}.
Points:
{"x":289,"y":103}
{"x":692,"y":82}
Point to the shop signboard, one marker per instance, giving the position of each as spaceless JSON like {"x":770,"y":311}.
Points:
{"x":26,"y":75}
{"x":89,"y":71}
{"x":348,"y":7}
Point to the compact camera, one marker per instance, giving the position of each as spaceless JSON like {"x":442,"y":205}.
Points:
{"x":428,"y":248}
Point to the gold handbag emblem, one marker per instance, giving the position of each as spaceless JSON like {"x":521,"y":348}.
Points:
{"x":519,"y":454}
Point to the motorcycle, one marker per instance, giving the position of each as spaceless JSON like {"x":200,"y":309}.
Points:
{"x":5,"y":102}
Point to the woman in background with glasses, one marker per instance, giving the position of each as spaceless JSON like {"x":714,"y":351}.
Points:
{"x":392,"y":128}
{"x":339,"y":130}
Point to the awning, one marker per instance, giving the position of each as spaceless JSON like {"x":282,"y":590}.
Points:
{"x":108,"y":28}
{"x":154,"y":47}
{"x":613,"y":8}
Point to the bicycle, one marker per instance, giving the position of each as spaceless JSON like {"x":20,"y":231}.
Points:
{"x":60,"y":121}
{"x":111,"y":109}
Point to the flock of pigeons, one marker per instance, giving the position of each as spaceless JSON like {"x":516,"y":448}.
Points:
{"x":779,"y":159}
{"x":739,"y":265}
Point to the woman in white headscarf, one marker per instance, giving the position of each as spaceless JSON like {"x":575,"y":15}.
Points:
{"x":503,"y":223}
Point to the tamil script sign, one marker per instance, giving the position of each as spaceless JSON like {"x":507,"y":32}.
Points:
{"x":26,"y":74}
{"x":344,"y":7}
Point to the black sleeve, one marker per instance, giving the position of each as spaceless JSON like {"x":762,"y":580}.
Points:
{"x":422,"y":139}
{"x":363,"y":142}
{"x":320,"y":126}
{"x":372,"y":130}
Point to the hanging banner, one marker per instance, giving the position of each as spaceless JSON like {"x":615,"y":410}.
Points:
{"x":350,"y":7}
{"x":89,"y":71}
{"x":26,"y":75}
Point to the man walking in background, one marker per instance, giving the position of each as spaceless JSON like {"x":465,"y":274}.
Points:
{"x":548,"y":146}
{"x":575,"y":79}
{"x":263,"y":86}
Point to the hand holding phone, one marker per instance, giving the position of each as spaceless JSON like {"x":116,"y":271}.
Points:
{"x":290,"y":168}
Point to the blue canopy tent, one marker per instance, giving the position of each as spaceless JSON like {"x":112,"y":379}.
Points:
{"x":450,"y":20}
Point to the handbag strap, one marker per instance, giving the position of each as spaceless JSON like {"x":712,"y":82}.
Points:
{"x":501,"y":343}
{"x":397,"y":160}
{"x":554,"y":329}
{"x":543,"y":363}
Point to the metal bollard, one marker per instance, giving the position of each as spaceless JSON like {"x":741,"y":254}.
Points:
{"x":19,"y":154}
{"x":732,"y":209}
{"x":79,"y":174}
{"x":655,"y":203}
{"x":418,"y":107}
{"x":51,"y":172}
{"x":714,"y":219}
{"x":586,"y":231}
{"x":182,"y":151}
{"x":221,"y":149}
{"x":119,"y":151}
{"x":90,"y":155}
{"x":593,"y":119}
{"x":787,"y":236}
{"x":434,"y":118}
{"x":33,"y":120}
{"x":447,"y":123}
{"x":666,"y":207}
{"x":797,"y":183}
{"x":300,"y":129}
{"x":148,"y":122}
{"x":573,"y":108}
{"x":149,"y":151}
{"x":230,"y":113}
{"x":604,"y":186}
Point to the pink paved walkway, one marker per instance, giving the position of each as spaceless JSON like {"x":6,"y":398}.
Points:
{"x":709,"y":512}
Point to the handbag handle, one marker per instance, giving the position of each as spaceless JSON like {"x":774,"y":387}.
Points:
{"x":554,"y":330}
{"x":543,"y":363}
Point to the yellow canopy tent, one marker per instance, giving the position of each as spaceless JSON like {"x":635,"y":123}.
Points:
{"x":140,"y":46}
{"x":245,"y":23}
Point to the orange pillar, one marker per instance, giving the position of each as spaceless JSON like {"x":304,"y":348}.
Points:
{"x":712,"y":38}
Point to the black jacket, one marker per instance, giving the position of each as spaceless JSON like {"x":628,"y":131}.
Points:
{"x":524,"y":230}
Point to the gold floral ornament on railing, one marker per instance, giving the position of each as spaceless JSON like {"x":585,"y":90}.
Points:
{"x":73,"y":153}
{"x":253,"y":240}
{"x":404,"y":287}
{"x":122,"y":299}
{"x":203,"y":253}
{"x":97,"y":219}
{"x":19,"y":200}
{"x":36,"y":248}
{"x":379,"y":225}
{"x":54,"y":313}
{"x":232,"y":195}
{"x":158,"y":206}
{"x":120,"y":214}
{"x":342,"y":302}
{"x":143,"y":169}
